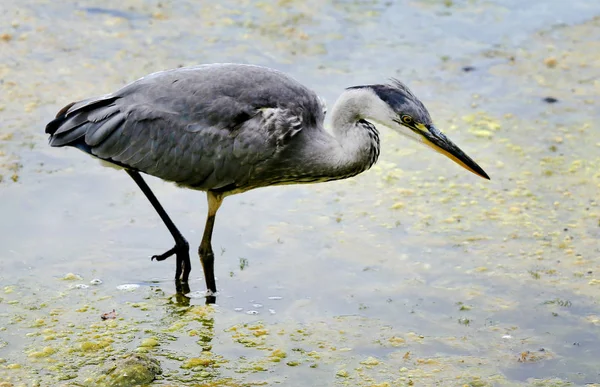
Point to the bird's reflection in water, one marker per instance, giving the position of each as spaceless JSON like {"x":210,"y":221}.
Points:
{"x":182,"y":314}
{"x":180,"y":298}
{"x":182,"y":289}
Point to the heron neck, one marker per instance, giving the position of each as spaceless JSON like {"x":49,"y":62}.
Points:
{"x":357,"y":137}
{"x":354,"y":146}
{"x":351,"y":147}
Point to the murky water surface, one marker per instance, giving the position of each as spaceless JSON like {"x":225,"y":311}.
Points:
{"x":414,"y":273}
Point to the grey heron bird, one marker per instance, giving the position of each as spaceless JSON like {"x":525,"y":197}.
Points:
{"x":229,"y":128}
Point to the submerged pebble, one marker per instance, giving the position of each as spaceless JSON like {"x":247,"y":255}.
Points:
{"x":550,"y":62}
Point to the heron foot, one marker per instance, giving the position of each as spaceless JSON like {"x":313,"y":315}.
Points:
{"x":165,"y":255}
{"x":184,"y":266}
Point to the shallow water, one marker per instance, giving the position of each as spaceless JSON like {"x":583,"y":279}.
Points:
{"x":414,"y":272}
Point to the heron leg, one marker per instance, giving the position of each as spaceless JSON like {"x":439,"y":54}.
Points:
{"x":181,"y":248}
{"x":205,"y":250}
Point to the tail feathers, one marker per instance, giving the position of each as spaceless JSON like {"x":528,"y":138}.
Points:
{"x":67,"y":138}
{"x":58,"y":120}
{"x":70,"y":123}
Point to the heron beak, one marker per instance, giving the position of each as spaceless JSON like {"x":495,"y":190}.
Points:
{"x":440,"y":143}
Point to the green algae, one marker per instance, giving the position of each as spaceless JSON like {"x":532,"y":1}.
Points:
{"x":150,"y":342}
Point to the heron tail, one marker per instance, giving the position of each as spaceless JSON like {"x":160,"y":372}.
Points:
{"x":61,"y":116}
{"x":75,"y":120}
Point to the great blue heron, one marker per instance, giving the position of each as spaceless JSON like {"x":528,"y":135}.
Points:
{"x":229,"y":128}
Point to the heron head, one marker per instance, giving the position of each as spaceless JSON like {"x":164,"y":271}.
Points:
{"x":406,"y":114}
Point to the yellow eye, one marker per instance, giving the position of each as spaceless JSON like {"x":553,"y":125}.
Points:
{"x":407,"y":120}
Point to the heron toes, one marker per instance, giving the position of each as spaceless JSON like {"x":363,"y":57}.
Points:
{"x":165,"y":255}
{"x":181,"y":251}
{"x":180,"y":248}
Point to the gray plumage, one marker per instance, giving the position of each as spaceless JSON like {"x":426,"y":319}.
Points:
{"x":228,"y":128}
{"x":218,"y":127}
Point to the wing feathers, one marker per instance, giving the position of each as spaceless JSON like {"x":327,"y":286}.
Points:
{"x":100,"y":131}
{"x":205,"y":127}
{"x":71,"y":123}
{"x":67,"y":138}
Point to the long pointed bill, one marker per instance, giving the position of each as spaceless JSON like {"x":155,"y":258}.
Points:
{"x":440,"y":143}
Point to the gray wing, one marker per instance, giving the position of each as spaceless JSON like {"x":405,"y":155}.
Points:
{"x":205,"y":127}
